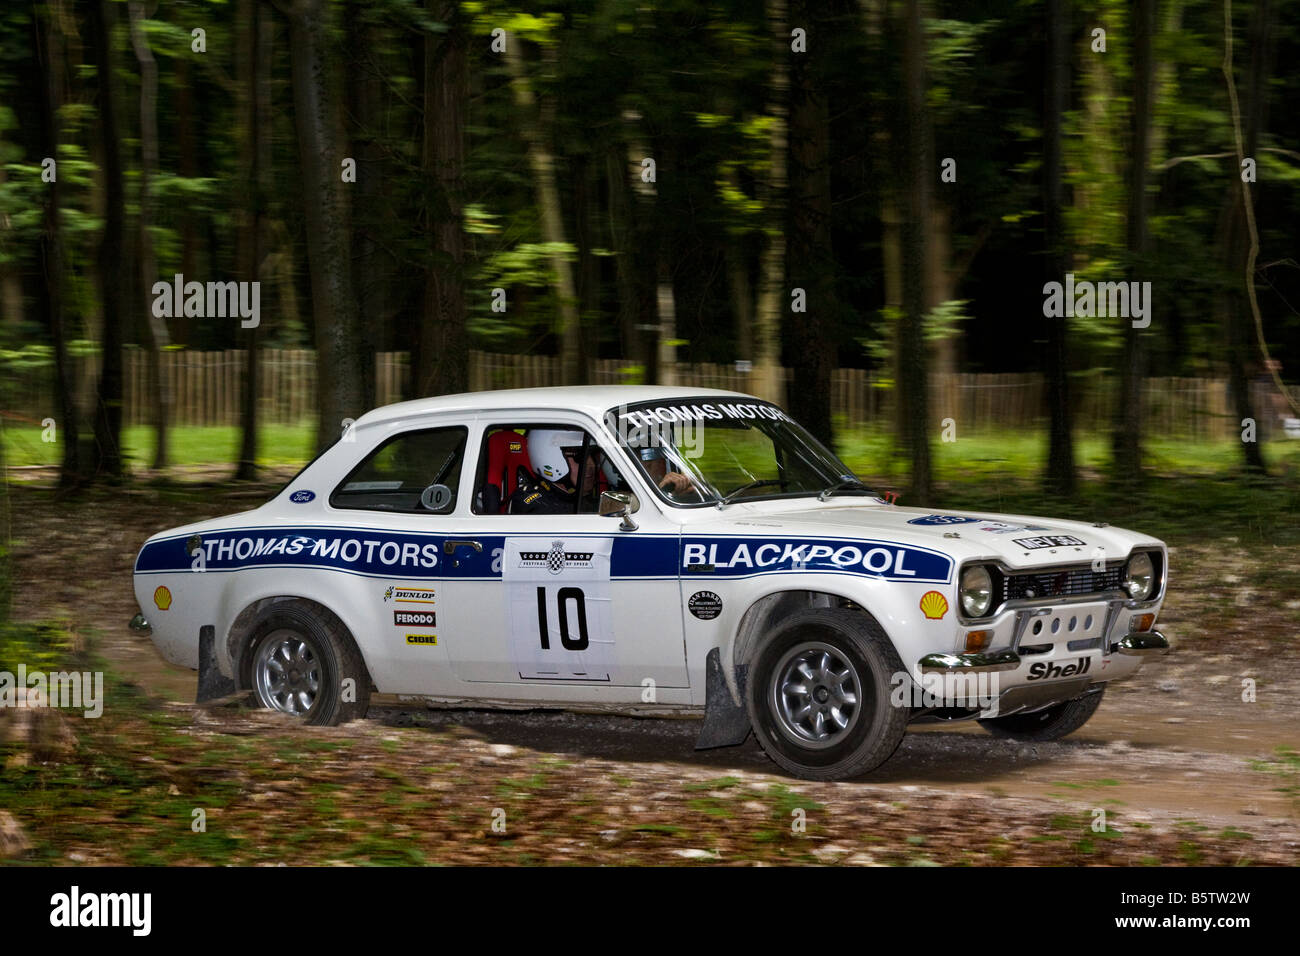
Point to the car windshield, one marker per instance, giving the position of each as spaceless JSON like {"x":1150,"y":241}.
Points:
{"x":711,"y":451}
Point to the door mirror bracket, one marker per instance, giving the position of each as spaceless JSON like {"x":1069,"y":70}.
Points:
{"x":620,"y":504}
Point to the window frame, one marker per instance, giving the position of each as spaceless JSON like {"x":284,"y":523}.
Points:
{"x":333,"y":502}
{"x":590,"y":439}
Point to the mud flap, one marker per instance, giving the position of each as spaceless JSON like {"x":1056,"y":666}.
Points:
{"x":725,"y":723}
{"x":212,"y":683}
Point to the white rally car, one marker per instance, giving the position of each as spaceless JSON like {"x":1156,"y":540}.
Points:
{"x":647,"y":549}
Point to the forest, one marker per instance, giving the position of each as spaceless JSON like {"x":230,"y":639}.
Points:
{"x":1099,"y":193}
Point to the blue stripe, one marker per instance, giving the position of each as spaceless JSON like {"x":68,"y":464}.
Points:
{"x":419,"y":556}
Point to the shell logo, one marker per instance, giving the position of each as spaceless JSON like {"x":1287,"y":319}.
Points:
{"x":163,"y":598}
{"x":934,"y":605}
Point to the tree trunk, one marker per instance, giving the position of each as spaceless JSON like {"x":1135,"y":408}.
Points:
{"x":440,"y":352}
{"x":364,"y":106}
{"x":915,"y":172}
{"x":812,"y":261}
{"x":1060,"y":476}
{"x":646,"y":252}
{"x":667,"y":240}
{"x":772,"y":299}
{"x":1126,"y":441}
{"x":327,"y":211}
{"x":939,"y":282}
{"x":101,"y":17}
{"x":742,"y":296}
{"x":548,"y":199}
{"x":11,"y":279}
{"x":586,"y":216}
{"x":158,"y":336}
{"x":188,"y":167}
{"x":623,"y":226}
{"x":1235,"y":241}
{"x":49,"y":53}
{"x":255,"y":111}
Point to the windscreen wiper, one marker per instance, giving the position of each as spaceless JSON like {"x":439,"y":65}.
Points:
{"x":846,"y":484}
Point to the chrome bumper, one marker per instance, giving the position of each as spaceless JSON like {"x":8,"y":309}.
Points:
{"x":988,"y":662}
{"x":1142,"y":644}
{"x":1139,"y":644}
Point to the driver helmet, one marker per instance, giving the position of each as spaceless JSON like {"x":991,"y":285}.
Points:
{"x":546,"y":450}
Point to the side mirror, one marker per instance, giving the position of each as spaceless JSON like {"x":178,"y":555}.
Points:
{"x":620,"y":504}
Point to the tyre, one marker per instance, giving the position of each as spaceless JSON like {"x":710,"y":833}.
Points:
{"x":303,"y":661}
{"x":818,"y":693}
{"x":1051,"y":724}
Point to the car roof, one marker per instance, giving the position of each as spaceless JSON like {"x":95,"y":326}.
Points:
{"x":592,"y":399}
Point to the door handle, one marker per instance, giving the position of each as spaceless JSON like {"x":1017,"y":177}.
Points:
{"x":451,"y":544}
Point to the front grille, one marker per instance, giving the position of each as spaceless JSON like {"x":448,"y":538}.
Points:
{"x":1070,"y":582}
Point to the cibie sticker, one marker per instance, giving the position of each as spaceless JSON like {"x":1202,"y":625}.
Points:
{"x":422,"y":640}
{"x":302,"y":497}
{"x":162,"y":597}
{"x":934,"y":605}
{"x":705,"y":605}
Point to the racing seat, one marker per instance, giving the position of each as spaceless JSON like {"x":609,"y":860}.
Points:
{"x":507,"y":453}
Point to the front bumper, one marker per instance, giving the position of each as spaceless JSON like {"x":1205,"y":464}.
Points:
{"x":1136,"y":644}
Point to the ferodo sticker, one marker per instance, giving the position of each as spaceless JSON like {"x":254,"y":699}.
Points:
{"x":423,"y":640}
{"x":415,"y":618}
{"x":705,"y":605}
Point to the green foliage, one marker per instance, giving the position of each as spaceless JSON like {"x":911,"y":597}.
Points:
{"x":942,"y":322}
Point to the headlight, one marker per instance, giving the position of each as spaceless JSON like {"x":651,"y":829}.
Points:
{"x":976,"y":591}
{"x":1140,"y":576}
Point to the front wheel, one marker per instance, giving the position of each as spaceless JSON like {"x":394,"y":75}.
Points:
{"x":819,"y":694}
{"x":305,"y":663}
{"x":1053,"y":723}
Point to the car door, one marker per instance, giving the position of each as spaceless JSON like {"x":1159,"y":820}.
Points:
{"x":539,"y":600}
{"x":400,"y":501}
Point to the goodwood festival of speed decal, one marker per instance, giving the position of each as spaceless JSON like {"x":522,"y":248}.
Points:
{"x":418,"y":557}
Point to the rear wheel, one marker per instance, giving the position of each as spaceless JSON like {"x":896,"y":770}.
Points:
{"x":819,"y":694}
{"x":304,"y":662}
{"x":1052,"y":723}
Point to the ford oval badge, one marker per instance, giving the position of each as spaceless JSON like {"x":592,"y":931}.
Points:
{"x":302,"y":497}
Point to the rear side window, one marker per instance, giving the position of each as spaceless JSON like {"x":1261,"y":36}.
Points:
{"x":415,"y":472}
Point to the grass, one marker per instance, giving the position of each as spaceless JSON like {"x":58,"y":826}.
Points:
{"x":1193,"y":491}
{"x":216,"y":444}
{"x":1286,"y":766}
{"x":987,"y":454}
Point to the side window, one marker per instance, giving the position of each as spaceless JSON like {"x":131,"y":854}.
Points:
{"x":541,"y":468}
{"x":414,"y":472}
